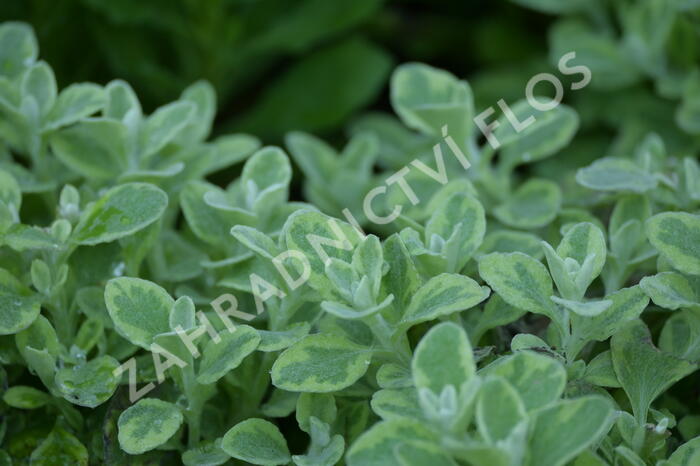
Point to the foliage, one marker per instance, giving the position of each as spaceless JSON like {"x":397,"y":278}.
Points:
{"x":533,"y":304}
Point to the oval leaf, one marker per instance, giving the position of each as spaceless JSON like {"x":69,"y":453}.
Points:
{"x":122,"y":211}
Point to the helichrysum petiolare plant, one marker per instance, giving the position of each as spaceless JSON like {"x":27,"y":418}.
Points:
{"x":486,"y":305}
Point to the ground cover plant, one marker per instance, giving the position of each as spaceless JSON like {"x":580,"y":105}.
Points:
{"x":451,"y":285}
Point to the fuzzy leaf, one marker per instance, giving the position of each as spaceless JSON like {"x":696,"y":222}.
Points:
{"x":534,"y":204}
{"x":376,"y":446}
{"x":139,"y":309}
{"x":443,"y":295}
{"x":539,"y":379}
{"x":148,"y":424}
{"x":644,"y":371}
{"x":164,"y":125}
{"x":275,"y":340}
{"x":60,"y":447}
{"x":499,"y":409}
{"x":672,"y":290}
{"x":615,"y":174}
{"x":220,"y":357}
{"x":122,"y":211}
{"x":427,"y":99}
{"x":19,"y":307}
{"x":256,"y":441}
{"x":393,"y":403}
{"x":443,"y":357}
{"x":677,"y":236}
{"x":627,"y":305}
{"x":94,"y":148}
{"x":74,"y":103}
{"x":402,"y":280}
{"x":520,"y":280}
{"x":89,"y":384}
{"x":551,"y":130}
{"x":314,"y":234}
{"x":563,"y":430}
{"x":320,"y":363}
{"x":458,"y":209}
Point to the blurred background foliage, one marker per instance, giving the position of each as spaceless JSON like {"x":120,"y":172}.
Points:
{"x":281,"y":65}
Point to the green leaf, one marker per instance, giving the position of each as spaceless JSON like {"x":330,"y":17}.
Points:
{"x":688,"y":113}
{"x":210,"y":224}
{"x":499,"y":409}
{"x":443,"y":357}
{"x":672,"y":290}
{"x":677,"y":236}
{"x":313,"y":155}
{"x":627,"y":305}
{"x":280,"y":339}
{"x":256,"y":441}
{"x":629,"y":207}
{"x":615,"y":174}
{"x":89,"y":384}
{"x":512,"y":241}
{"x":324,"y":450}
{"x":10,"y":192}
{"x":182,"y":314}
{"x":22,"y":238}
{"x":551,"y":131}
{"x":403,"y":279}
{"x":281,"y":403}
{"x":533,"y":205}
{"x":148,"y":424}
{"x":400,"y":402}
{"x":316,"y":236}
{"x":39,"y":82}
{"x":39,"y":335}
{"x":610,"y":67}
{"x":265,"y":178}
{"x":220,"y":357}
{"x":644,"y":371}
{"x":427,"y":99}
{"x":461,"y":222}
{"x":538,"y":379}
{"x":443,"y":295}
{"x":320,"y":363}
{"x":94,"y":148}
{"x":410,"y":454}
{"x":164,"y":125}
{"x":354,"y":65}
{"x":203,"y":96}
{"x":140,"y":309}
{"x":74,"y":103}
{"x":319,"y":405}
{"x":19,"y":307}
{"x":600,"y":371}
{"x":368,"y":261}
{"x":256,"y":241}
{"x":581,"y":241}
{"x":680,"y":336}
{"x":497,"y":312}
{"x":553,"y":6}
{"x":206,"y":454}
{"x":563,"y":430}
{"x":686,"y":454}
{"x":376,"y":446}
{"x":22,"y":397}
{"x":521,"y":281}
{"x":18,"y":48}
{"x":122,"y":211}
{"x":60,"y":447}
{"x":121,"y":102}
{"x":392,"y":375}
